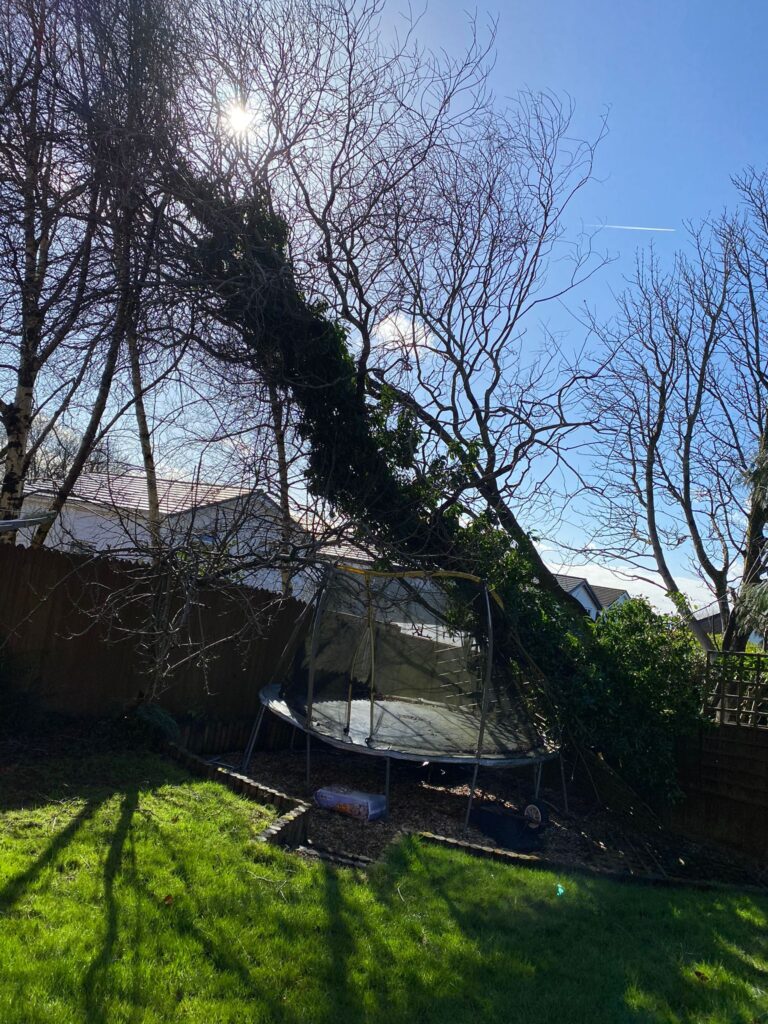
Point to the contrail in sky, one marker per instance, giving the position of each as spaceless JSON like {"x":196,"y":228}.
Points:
{"x":627,"y":227}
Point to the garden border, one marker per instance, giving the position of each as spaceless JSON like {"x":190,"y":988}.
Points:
{"x":290,"y":830}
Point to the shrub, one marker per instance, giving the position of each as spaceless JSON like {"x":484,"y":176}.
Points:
{"x":647,"y":688}
{"x":624,"y":686}
{"x":145,"y":725}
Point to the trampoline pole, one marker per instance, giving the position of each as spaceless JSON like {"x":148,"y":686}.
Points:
{"x":319,"y":607}
{"x":537,"y":782}
{"x":373,"y":656}
{"x":484,"y":706}
{"x":309,"y":747}
{"x":472,"y":787}
{"x":386,"y":785}
{"x":248,"y":752}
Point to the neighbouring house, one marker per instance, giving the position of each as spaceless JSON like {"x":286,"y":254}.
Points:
{"x":710,"y":617}
{"x":109,"y":513}
{"x":593,"y":598}
{"x":609,"y":596}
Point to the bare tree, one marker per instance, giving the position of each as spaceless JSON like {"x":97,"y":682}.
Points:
{"x":483,"y":255}
{"x":85,"y":128}
{"x":127,"y":77}
{"x":413,"y":204}
{"x":425,"y":219}
{"x":681,"y":410}
{"x":49,"y":208}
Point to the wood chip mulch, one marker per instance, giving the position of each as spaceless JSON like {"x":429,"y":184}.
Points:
{"x":434,"y":799}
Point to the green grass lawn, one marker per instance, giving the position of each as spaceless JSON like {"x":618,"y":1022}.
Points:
{"x":131,"y":892}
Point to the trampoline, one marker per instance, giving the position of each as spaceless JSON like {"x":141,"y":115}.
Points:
{"x":401,"y":665}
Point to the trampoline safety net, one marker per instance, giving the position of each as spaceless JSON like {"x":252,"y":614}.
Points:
{"x":401,"y":665}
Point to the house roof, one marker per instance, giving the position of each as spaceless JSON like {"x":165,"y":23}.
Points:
{"x":608,"y":595}
{"x":604,"y":597}
{"x":569,"y":583}
{"x":128,"y":491}
{"x":709,"y":611}
{"x":572,"y":583}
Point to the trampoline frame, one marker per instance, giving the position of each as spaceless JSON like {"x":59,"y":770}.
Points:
{"x":283,"y":710}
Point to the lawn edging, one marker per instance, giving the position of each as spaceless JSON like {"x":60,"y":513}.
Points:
{"x":531,"y":860}
{"x":289,"y":829}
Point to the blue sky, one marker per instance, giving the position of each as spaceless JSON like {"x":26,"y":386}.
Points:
{"x":684,"y":86}
{"x":684,"y":83}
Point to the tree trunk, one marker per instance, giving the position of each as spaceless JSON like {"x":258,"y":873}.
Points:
{"x":89,"y":435}
{"x":544,"y":574}
{"x":145,"y":440}
{"x":17,"y":420}
{"x":286,"y":523}
{"x":737,"y":633}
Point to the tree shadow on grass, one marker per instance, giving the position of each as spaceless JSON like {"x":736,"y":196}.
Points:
{"x":633,"y":953}
{"x":343,"y":928}
{"x":94,"y":980}
{"x":198,"y":922}
{"x":15,"y":887}
{"x":118,"y":971}
{"x":335,"y":930}
{"x":76,"y":789}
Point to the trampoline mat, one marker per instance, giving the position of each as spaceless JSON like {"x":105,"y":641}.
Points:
{"x":412,"y":730}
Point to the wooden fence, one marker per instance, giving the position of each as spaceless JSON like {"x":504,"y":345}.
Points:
{"x":723,"y":772}
{"x":723,"y":769}
{"x":74,"y":660}
{"x":737,"y":689}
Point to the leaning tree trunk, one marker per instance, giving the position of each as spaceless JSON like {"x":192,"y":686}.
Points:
{"x":738,"y":631}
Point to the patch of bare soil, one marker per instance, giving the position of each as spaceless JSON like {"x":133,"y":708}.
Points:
{"x":433,"y":798}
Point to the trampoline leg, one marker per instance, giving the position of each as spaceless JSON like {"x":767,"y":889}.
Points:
{"x":565,"y":788}
{"x":248,"y":752}
{"x":537,"y":781}
{"x":386,"y":785}
{"x":471,"y":796}
{"x":309,"y":743}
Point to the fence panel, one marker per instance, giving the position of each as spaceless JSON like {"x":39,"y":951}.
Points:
{"x":737,"y":690}
{"x":75,"y":661}
{"x":724,"y":774}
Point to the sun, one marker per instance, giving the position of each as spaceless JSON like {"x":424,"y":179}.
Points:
{"x":239,"y":119}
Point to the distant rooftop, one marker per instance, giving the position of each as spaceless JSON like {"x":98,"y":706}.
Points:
{"x":606,"y":596}
{"x":569,"y":583}
{"x":709,"y":611}
{"x":128,"y":491}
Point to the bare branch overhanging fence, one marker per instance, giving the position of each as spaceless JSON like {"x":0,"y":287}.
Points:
{"x":737,"y":689}
{"x":73,"y":660}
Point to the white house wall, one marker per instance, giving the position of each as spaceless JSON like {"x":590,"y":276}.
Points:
{"x":251,"y":532}
{"x":583,"y":596}
{"x":85,"y":527}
